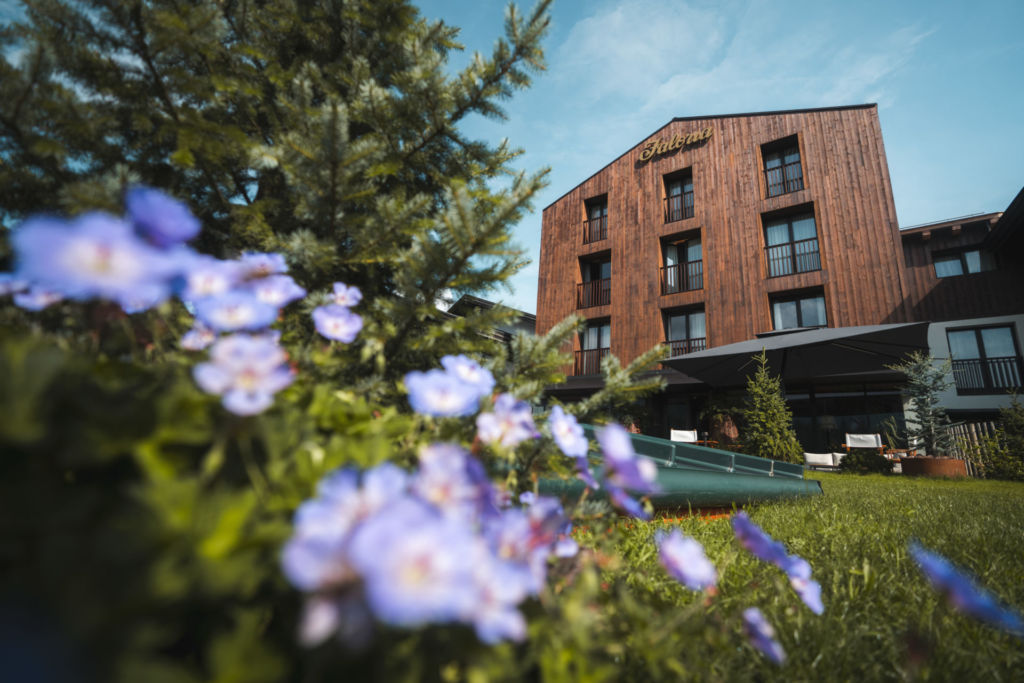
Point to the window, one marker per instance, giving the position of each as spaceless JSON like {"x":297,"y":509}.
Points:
{"x":802,"y":310}
{"x":683,"y":268}
{"x":961,"y":262}
{"x":678,"y":196}
{"x":791,"y":245}
{"x":595,"y":343}
{"x":782,"y":171}
{"x":685,"y":332}
{"x":595,"y":227}
{"x":596,"y":288}
{"x":985,"y":360}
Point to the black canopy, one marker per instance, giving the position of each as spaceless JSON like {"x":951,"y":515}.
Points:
{"x":827,"y":352}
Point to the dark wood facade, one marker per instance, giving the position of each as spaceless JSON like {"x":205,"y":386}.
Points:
{"x":997,"y":289}
{"x":844,"y":183}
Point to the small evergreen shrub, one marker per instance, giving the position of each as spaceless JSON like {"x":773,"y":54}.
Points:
{"x":861,"y":461}
{"x":769,"y":423}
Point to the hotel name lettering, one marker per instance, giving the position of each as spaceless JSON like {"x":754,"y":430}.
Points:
{"x":656,"y":148}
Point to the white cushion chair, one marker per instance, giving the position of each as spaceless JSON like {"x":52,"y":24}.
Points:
{"x":684,"y":435}
{"x":819,"y":461}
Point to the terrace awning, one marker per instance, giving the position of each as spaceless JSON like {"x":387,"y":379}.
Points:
{"x":817,"y":354}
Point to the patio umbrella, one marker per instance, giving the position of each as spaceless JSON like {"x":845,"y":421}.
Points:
{"x":808,"y":354}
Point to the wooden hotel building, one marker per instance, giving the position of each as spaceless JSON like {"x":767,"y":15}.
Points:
{"x":720,"y":229}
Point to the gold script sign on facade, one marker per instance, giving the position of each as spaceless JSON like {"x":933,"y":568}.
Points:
{"x":655,"y":148}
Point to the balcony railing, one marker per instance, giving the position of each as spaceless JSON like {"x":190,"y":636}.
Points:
{"x":793,"y":257}
{"x":595,"y":229}
{"x":678,"y":207}
{"x":784,"y":179}
{"x":682,"y":277}
{"x":988,"y":375}
{"x":594,"y":293}
{"x":588,"y":361}
{"x":681,"y":346}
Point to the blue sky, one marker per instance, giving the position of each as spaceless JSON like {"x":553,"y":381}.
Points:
{"x":948,"y":78}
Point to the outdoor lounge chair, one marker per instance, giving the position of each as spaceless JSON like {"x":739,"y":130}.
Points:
{"x":871,"y":441}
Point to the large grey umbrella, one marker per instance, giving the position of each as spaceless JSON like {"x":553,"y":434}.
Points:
{"x":808,"y":354}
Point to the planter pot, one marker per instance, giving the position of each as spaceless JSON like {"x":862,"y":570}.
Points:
{"x":934,"y":467}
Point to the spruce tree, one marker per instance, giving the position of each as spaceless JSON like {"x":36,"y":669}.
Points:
{"x":327,"y":131}
{"x":768,"y":430}
{"x":927,"y":422}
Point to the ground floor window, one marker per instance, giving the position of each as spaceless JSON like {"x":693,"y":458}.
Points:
{"x":803,"y":310}
{"x":984,"y":359}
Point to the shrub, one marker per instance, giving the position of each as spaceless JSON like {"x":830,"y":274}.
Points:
{"x":768,"y":423}
{"x":863,"y":461}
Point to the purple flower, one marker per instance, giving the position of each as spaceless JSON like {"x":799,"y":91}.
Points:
{"x":36,"y":299}
{"x":198,"y":338}
{"x":509,"y":424}
{"x":163,"y":219}
{"x":206,"y":276}
{"x":346,"y":296}
{"x":144,"y":298}
{"x":246,"y":370}
{"x":684,"y":559}
{"x":762,"y":635}
{"x":453,"y":480}
{"x":625,"y":502}
{"x":255,"y":264}
{"x":234,"y":311}
{"x":337,"y":323}
{"x":470,"y":372}
{"x":10,"y":284}
{"x":498,"y":590}
{"x":94,"y":256}
{"x":567,"y":433}
{"x":757,"y":542}
{"x":963,"y":593}
{"x":623,"y":468}
{"x":438,"y":393}
{"x":764,"y":547}
{"x":276,"y":290}
{"x":414,"y":564}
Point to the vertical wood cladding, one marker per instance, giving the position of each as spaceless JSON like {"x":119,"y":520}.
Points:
{"x":993,"y":292}
{"x":846,"y":181}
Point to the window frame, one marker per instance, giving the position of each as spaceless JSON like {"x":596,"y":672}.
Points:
{"x":588,"y":361}
{"x":984,"y":366}
{"x":793,"y":259}
{"x":785,"y":297}
{"x":960,"y":255}
{"x":599,"y":233}
{"x":683,"y":177}
{"x":668,"y":316}
{"x":781,"y":147}
{"x":591,"y":291}
{"x":679,"y":276}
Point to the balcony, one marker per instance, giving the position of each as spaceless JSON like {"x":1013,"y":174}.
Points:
{"x":678,"y":207}
{"x":987,"y":375}
{"x":594,"y":293}
{"x":595,"y":229}
{"x":682,"y":277}
{"x":793,"y":257}
{"x":784,"y":179}
{"x":588,"y":361}
{"x":681,"y":346}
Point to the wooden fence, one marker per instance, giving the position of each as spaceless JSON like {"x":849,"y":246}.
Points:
{"x":966,"y":440}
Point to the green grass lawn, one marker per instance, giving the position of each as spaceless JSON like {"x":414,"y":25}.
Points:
{"x":882,"y":620}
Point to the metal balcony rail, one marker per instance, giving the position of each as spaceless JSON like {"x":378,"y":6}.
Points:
{"x":594,"y":293}
{"x":588,"y":361}
{"x":793,"y":257}
{"x":987,"y":375}
{"x":682,"y":277}
{"x":681,"y":346}
{"x":679,"y":206}
{"x":595,"y":229}
{"x":784,"y":179}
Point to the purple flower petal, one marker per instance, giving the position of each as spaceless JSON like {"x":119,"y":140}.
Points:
{"x":684,"y":559}
{"x":337,"y":323}
{"x":165,"y":221}
{"x":438,"y":393}
{"x":567,"y":433}
{"x":511,"y":422}
{"x":276,"y":290}
{"x":470,"y":372}
{"x":235,"y":311}
{"x":963,"y":593}
{"x":346,"y":296}
{"x":762,"y":635}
